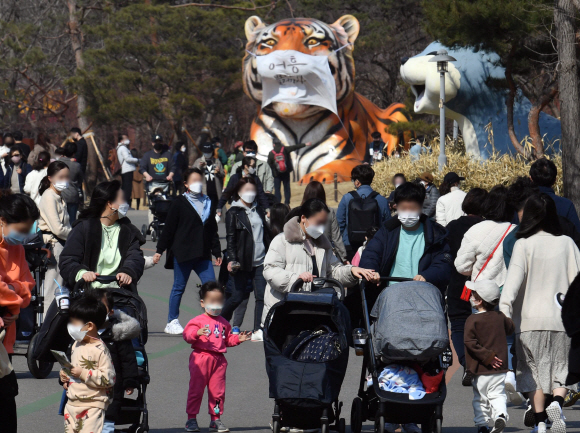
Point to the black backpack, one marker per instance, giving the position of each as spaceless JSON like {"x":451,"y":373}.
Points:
{"x":363,"y":213}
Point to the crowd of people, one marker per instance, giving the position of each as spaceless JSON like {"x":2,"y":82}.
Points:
{"x":504,"y":260}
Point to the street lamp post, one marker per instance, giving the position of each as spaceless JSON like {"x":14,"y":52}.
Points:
{"x":442,"y":59}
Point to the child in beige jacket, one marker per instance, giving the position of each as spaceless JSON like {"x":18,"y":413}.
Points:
{"x":90,"y":381}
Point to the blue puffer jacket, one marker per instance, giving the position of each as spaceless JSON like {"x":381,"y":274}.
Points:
{"x":435,"y":265}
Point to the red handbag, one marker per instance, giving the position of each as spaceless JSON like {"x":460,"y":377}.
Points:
{"x":466,"y":294}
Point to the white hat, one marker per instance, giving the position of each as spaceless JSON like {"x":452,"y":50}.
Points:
{"x":487,"y":290}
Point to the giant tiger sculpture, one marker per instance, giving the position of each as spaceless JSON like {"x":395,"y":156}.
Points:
{"x":335,"y":149}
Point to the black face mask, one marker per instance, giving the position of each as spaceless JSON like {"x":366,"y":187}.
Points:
{"x":158,"y":147}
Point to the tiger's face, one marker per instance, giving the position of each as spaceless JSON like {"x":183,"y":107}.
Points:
{"x":308,"y":36}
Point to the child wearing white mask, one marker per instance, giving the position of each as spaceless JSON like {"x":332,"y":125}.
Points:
{"x":209,"y":335}
{"x":92,"y":373}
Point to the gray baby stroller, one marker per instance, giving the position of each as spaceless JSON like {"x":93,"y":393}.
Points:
{"x":406,"y":326}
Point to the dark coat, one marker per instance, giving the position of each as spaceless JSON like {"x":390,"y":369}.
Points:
{"x":7,"y":182}
{"x":571,"y":321}
{"x":195,"y":240}
{"x":234,"y":179}
{"x":564,"y":207}
{"x":287,"y":150}
{"x":118,"y":337}
{"x":82,"y":154}
{"x":240,"y":239}
{"x":435,"y":265}
{"x":83,"y":248}
{"x":456,"y":307}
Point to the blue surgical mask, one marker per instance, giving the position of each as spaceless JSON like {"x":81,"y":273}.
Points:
{"x":14,"y":238}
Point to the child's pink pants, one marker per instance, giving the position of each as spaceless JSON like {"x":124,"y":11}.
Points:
{"x":206,"y":369}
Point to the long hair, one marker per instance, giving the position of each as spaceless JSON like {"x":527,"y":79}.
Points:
{"x":53,"y":168}
{"x":43,"y":140}
{"x":278,"y":214}
{"x":104,"y":193}
{"x":314,"y":190}
{"x":42,"y":161}
{"x":539,"y":214}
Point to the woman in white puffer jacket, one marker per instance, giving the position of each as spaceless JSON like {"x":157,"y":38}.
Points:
{"x":303,"y":251}
{"x":482,"y":239}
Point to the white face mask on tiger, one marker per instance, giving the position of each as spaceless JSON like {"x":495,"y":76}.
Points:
{"x":293,"y":77}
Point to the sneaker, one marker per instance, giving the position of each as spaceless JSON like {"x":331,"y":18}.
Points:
{"x":236,"y":330}
{"x":258,"y":335}
{"x":510,"y":389}
{"x":559,"y":300}
{"x":540,"y":428}
{"x":391,"y":428}
{"x":571,"y":398}
{"x":499,"y":424}
{"x":529,"y":420}
{"x":191,"y":425}
{"x":467,"y":378}
{"x":174,"y":328}
{"x":218,"y":426}
{"x":555,"y":415}
{"x":411,"y":428}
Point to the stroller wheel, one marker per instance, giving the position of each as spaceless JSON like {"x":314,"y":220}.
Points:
{"x":39,"y":369}
{"x":380,"y":424}
{"x":154,"y":235}
{"x":275,"y":426}
{"x":438,"y":426}
{"x":341,"y":426}
{"x":356,"y":415}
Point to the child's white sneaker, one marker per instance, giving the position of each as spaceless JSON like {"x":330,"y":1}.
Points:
{"x":174,"y":328}
{"x":510,"y":389}
{"x":555,"y":415}
{"x":258,"y":335}
{"x":540,"y":428}
{"x":499,"y":424}
{"x":218,"y":426}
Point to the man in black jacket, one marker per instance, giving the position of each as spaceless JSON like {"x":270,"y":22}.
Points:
{"x":248,"y":169}
{"x":280,"y":161}
{"x":24,"y":148}
{"x":82,"y":153}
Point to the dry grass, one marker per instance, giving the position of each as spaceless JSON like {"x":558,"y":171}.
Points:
{"x":498,"y":169}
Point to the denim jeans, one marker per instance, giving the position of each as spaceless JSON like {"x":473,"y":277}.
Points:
{"x":204,"y":270}
{"x":240,"y":284}
{"x":282,"y":178}
{"x":457,"y":330}
{"x":108,"y":427}
{"x":72,"y":209}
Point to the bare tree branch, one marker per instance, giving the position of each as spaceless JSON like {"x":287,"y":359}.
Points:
{"x":238,"y":8}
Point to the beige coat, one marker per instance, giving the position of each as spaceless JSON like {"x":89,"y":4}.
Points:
{"x":53,"y":217}
{"x":541,"y":266}
{"x":287,"y":258}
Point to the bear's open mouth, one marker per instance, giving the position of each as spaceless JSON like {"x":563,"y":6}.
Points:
{"x":418,"y":90}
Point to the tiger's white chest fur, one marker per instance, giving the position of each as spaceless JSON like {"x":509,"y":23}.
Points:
{"x":296,"y":131}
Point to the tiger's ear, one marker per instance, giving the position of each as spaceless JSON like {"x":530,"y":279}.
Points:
{"x":253,"y":24}
{"x":346,"y":29}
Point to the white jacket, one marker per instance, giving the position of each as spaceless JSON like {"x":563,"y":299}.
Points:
{"x":541,"y":266}
{"x":128,"y":163}
{"x":449,"y":206}
{"x":32,"y":184}
{"x":287,"y":258}
{"x":478,"y":243}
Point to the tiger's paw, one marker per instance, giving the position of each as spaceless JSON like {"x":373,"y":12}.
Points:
{"x":325,"y":174}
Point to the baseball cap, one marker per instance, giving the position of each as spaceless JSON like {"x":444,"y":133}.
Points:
{"x":488,"y":290}
{"x":238,"y":144}
{"x":427,"y":177}
{"x":157,"y":137}
{"x":207,"y":147}
{"x":376,"y":134}
{"x":452,"y":177}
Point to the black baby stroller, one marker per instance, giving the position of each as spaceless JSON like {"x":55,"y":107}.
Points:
{"x":416,"y":332}
{"x":54,"y":336}
{"x":306,"y":342}
{"x":160,"y":200}
{"x":31,"y":317}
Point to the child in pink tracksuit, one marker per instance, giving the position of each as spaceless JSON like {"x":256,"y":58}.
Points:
{"x":209,"y":336}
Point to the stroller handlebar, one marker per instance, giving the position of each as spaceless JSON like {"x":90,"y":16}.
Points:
{"x":104,"y":279}
{"x":318,"y":283}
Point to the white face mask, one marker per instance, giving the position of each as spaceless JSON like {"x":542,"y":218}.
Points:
{"x":398,"y":185}
{"x":123,"y":209}
{"x":207,"y":155}
{"x":183,"y":149}
{"x":60,"y":185}
{"x":251,"y":170}
{"x":214,"y":309}
{"x":473,"y":301}
{"x":248,"y":197}
{"x":75,"y":332}
{"x":424,"y":183}
{"x":409,"y":219}
{"x":126,"y":142}
{"x":196,"y":187}
{"x":251,"y":154}
{"x":315,"y":231}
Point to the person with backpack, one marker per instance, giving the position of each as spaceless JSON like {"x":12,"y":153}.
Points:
{"x":280,"y":162}
{"x":360,"y":209}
